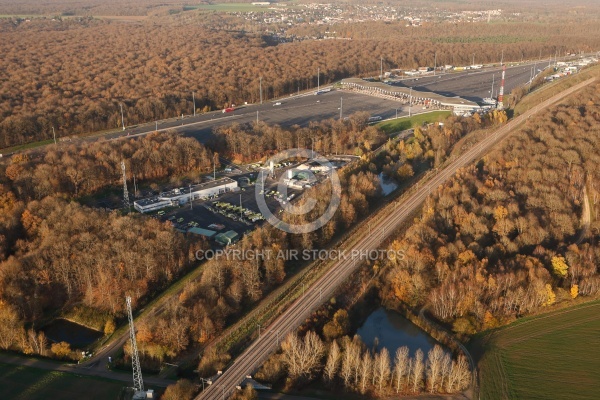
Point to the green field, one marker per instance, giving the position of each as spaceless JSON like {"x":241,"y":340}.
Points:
{"x":230,"y":7}
{"x":552,"y":356}
{"x":25,"y":383}
{"x":404,"y":123}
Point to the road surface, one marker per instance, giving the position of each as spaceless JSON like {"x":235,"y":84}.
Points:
{"x":296,"y":110}
{"x":325,"y":286}
{"x":123,"y":376}
{"x":474,"y":85}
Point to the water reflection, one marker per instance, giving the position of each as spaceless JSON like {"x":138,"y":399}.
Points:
{"x":78,"y":336}
{"x":393,"y":331}
{"x":387,"y":185}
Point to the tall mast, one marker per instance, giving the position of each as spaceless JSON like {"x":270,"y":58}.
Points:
{"x":125,"y":192}
{"x":138,"y":383}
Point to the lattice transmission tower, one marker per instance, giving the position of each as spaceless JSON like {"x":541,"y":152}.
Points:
{"x":125,"y":191}
{"x":138,"y":383}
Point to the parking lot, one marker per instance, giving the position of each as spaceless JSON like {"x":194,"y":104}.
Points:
{"x":237,"y":211}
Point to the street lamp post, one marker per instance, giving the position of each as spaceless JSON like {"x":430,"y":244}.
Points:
{"x":409,"y":100}
{"x":194,"y":101}
{"x":318,"y":80}
{"x":122,"y":118}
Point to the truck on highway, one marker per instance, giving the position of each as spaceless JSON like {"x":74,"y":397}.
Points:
{"x":323,"y":91}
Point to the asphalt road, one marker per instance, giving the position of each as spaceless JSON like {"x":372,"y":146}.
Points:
{"x":475,"y":85}
{"x":296,"y":110}
{"x":301,"y":110}
{"x":324,"y":287}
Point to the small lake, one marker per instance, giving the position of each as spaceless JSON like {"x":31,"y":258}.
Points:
{"x":393,"y":331}
{"x":78,"y":336}
{"x":387,"y":185}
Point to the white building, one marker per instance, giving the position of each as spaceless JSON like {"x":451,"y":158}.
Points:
{"x":185,"y":194}
{"x":150,"y":204}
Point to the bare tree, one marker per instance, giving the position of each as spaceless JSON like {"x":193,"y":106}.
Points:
{"x":417,"y":371}
{"x":459,"y":377}
{"x":350,"y":361}
{"x":445,"y":372}
{"x":333,"y":362}
{"x":382,"y":369}
{"x":435,"y":357}
{"x":302,"y":357}
{"x":401,"y":367}
{"x":366,"y":368}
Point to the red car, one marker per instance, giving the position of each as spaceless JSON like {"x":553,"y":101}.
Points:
{"x":228,"y":109}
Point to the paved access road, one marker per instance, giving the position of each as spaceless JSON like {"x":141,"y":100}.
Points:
{"x":51,"y":365}
{"x":324,"y":287}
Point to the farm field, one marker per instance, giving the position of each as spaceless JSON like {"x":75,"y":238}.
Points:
{"x":552,"y":356}
{"x":25,"y":383}
{"x":404,"y":123}
{"x":229,"y":7}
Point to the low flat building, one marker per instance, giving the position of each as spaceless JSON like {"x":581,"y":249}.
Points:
{"x":227,"y":238}
{"x":195,"y":192}
{"x":202,"y":232}
{"x":184,"y":195}
{"x":150,"y":204}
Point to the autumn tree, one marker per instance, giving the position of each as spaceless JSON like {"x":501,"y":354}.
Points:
{"x":333,"y":362}
{"x":401,"y":367}
{"x":182,"y":390}
{"x":302,"y":356}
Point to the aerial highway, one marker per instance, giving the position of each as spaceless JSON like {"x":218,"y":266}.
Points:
{"x":325,"y":286}
{"x":302,"y":109}
{"x":294,"y":110}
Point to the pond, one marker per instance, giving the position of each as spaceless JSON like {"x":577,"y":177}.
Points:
{"x":387,"y":184}
{"x":78,"y":336}
{"x":392,"y":331}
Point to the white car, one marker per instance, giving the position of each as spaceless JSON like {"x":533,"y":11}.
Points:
{"x":277,"y":104}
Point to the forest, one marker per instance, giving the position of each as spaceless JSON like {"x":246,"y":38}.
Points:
{"x":72,"y":74}
{"x":60,"y":257}
{"x":72,"y":171}
{"x":504,"y":237}
{"x":246,"y":143}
